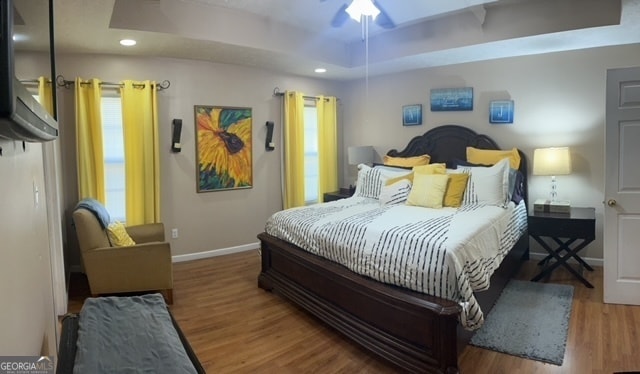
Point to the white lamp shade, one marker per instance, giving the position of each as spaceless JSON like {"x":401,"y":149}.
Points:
{"x":552,"y":161}
{"x":360,"y":155}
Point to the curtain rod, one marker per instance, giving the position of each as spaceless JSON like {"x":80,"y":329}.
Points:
{"x":61,"y":82}
{"x":32,"y":81}
{"x":277,"y":92}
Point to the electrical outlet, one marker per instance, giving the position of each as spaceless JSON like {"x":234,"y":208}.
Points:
{"x":174,"y":233}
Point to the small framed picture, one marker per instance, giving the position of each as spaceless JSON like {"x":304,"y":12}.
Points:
{"x":501,"y":111}
{"x":412,"y":115}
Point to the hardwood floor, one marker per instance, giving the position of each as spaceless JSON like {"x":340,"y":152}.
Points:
{"x":236,"y":327}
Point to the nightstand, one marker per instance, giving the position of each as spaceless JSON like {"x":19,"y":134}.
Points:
{"x":343,"y":193}
{"x":569,"y":232}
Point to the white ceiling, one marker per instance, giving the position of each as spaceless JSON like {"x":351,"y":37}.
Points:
{"x":295,"y":36}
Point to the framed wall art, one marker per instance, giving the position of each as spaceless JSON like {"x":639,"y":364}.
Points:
{"x":412,"y":115}
{"x":451,"y":99}
{"x":223,"y":148}
{"x":501,"y":111}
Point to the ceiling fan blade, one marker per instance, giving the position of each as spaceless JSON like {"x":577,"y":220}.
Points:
{"x":341,"y":17}
{"x":383,"y":20}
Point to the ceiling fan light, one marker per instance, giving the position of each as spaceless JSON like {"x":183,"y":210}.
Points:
{"x":359,"y":8}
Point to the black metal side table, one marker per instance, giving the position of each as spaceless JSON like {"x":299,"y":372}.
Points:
{"x":571,"y":232}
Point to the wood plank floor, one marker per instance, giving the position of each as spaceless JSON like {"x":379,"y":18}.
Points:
{"x":236,"y":327}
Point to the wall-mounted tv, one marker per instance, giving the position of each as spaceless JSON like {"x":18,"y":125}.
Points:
{"x":26,"y":26}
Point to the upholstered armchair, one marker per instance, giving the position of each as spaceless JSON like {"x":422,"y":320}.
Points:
{"x":145,"y":266}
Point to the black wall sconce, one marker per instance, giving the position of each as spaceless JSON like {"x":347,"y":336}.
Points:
{"x":175,"y":135}
{"x":269,"y":145}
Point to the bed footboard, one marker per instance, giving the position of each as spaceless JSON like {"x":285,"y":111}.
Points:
{"x":414,"y":331}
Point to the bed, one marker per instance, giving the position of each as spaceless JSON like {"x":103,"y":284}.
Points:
{"x":416,"y":331}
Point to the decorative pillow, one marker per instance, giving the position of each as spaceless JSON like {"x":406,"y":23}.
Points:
{"x":430,"y":169}
{"x":118,"y":235}
{"x":395,"y":193}
{"x":408,"y":177}
{"x":406,"y":161}
{"x":455,"y":190}
{"x":487,"y":185}
{"x":392,"y":171}
{"x":516,"y":180}
{"x":492,"y":156}
{"x":428,"y":190}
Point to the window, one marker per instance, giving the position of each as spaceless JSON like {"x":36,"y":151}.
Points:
{"x":311,"y":161}
{"x":113,"y":145}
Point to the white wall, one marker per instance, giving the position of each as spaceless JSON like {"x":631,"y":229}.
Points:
{"x":27,"y":318}
{"x":559,"y":101}
{"x":212,"y":220}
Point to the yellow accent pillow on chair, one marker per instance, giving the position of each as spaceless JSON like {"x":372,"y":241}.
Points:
{"x":118,"y":235}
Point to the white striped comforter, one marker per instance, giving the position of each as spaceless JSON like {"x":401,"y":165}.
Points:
{"x":449,"y":253}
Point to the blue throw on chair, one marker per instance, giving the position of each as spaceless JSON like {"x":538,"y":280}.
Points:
{"x":95,"y":207}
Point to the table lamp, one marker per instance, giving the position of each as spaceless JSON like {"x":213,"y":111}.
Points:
{"x":552,"y":161}
{"x":357,"y":155}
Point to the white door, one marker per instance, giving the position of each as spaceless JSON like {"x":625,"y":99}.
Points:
{"x":622,"y":188}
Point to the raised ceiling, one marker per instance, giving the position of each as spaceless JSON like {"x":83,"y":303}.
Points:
{"x":296,"y":36}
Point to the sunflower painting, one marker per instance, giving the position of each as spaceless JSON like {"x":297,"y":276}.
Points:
{"x":223,"y":148}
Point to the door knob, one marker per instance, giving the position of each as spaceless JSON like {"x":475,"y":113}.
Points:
{"x":611,"y":202}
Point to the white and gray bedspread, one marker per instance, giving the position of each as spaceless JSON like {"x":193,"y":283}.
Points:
{"x":449,"y":252}
{"x":129,"y":335}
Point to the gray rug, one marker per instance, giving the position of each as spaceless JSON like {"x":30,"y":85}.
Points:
{"x":529,"y":320}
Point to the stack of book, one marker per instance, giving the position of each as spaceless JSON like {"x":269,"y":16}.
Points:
{"x":548,"y":206}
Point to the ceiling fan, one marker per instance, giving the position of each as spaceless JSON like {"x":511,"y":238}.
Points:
{"x":382,"y":18}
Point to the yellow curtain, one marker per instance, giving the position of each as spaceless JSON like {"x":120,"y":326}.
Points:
{"x":90,"y":156}
{"x":327,"y":145}
{"x":45,"y":94}
{"x":142,"y":158}
{"x":293,"y":149}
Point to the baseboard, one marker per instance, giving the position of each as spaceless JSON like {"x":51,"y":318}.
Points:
{"x":589,"y":260}
{"x":215,"y":252}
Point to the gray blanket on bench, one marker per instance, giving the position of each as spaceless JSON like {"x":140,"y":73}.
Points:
{"x":129,"y":335}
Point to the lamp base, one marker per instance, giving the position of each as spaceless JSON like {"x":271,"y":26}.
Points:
{"x":548,"y":206}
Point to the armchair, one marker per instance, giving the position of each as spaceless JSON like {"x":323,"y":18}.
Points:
{"x":145,"y":266}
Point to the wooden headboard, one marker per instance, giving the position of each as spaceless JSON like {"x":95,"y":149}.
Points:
{"x":449,"y":142}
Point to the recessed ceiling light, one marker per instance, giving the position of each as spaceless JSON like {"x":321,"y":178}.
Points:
{"x":320,"y":70}
{"x":128,"y":42}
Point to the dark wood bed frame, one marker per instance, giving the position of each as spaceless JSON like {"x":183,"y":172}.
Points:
{"x":415,"y":331}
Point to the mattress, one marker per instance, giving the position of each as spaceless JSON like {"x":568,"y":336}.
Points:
{"x":448,"y":252}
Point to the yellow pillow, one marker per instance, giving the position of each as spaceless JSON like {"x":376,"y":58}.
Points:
{"x":455,"y":189}
{"x":391,"y":181}
{"x":428,"y":190}
{"x":118,"y":235}
{"x":430,"y":169}
{"x":492,"y":156}
{"x":406,"y":161}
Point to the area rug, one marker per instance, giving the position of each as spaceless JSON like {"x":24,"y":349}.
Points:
{"x":529,"y":320}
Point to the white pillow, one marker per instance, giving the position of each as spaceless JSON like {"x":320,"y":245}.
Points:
{"x":372,"y":180}
{"x":395,"y":193}
{"x":487,"y":185}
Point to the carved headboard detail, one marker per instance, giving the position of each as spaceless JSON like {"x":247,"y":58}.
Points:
{"x":449,"y":142}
